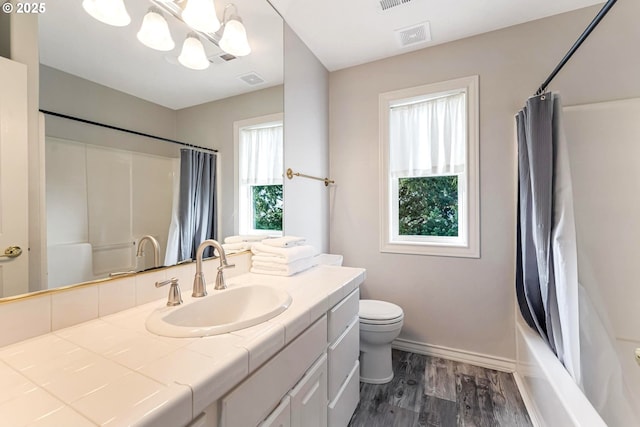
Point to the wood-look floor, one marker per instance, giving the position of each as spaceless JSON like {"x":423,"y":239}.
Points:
{"x":435,"y":392}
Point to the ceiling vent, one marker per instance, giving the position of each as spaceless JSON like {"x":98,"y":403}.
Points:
{"x":415,"y":34}
{"x":388,"y":4}
{"x":252,"y":78}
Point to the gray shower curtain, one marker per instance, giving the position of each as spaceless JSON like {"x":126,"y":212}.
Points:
{"x":546,"y":266}
{"x":197,"y":202}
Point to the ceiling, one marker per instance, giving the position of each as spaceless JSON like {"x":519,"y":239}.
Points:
{"x":340,"y":33}
{"x":347,"y":33}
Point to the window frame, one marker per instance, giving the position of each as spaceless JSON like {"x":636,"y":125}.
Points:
{"x":261,"y":121}
{"x":467,"y":246}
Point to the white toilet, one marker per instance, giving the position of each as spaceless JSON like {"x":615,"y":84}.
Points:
{"x":380,"y":324}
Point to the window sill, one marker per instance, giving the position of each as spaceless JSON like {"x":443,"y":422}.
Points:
{"x":430,"y":249}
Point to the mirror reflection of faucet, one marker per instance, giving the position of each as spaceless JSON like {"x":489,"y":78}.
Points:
{"x":199,"y":283}
{"x":156,"y":249}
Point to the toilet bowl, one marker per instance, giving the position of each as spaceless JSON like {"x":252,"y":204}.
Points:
{"x":380,"y":324}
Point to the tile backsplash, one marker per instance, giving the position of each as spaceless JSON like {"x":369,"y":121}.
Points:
{"x":38,"y":315}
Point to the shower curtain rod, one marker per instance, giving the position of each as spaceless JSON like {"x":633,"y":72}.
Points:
{"x":134,"y":132}
{"x":576,"y":45}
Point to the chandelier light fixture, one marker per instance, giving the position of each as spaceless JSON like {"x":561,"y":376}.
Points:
{"x":234,"y":35}
{"x":192,"y":54}
{"x":230,"y":35}
{"x":201,"y":16}
{"x":111,"y":12}
{"x":154,"y":32}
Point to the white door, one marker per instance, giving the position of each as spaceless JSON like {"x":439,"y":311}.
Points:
{"x":14,"y":215}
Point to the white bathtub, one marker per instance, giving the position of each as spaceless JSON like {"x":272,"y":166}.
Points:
{"x":550,"y":394}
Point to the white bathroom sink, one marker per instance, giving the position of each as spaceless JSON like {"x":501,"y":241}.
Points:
{"x":220,"y":312}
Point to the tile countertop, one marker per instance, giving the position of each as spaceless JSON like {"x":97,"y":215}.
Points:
{"x":112,"y":371}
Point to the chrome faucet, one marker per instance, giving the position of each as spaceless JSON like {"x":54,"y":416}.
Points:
{"x":156,"y":248}
{"x":175,"y":296}
{"x":199,"y":284}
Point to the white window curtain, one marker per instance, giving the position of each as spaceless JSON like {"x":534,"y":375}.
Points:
{"x":428,"y":137}
{"x":261,"y":157}
{"x":260,"y":163}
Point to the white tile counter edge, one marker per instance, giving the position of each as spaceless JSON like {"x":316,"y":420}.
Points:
{"x":112,"y":371}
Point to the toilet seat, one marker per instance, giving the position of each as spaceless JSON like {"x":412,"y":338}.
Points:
{"x":374,"y":312}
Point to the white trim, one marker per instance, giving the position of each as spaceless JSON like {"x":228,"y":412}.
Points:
{"x":532,"y":409}
{"x":464,"y":356}
{"x":471,"y":248}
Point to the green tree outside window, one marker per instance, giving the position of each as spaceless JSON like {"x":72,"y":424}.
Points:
{"x":267,"y":207}
{"x":428,"y":206}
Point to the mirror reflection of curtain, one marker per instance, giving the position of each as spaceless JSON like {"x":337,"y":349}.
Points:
{"x":260,"y":163}
{"x":195,"y":218}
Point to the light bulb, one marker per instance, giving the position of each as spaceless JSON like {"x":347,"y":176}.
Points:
{"x":110,"y":12}
{"x":234,"y":39}
{"x":192,"y":54}
{"x":154,"y":32}
{"x":201,"y":16}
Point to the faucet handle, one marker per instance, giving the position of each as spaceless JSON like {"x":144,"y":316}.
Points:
{"x":175,"y":296}
{"x":225,"y":266}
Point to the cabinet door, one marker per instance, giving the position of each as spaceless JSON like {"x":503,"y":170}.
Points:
{"x":252,"y":400}
{"x":281,"y":416}
{"x":309,"y":397}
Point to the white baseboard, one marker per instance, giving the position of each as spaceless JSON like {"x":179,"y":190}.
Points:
{"x":532,"y":409}
{"x":478,"y":359}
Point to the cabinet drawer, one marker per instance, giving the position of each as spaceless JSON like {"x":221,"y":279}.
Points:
{"x":200,"y":421}
{"x":281,"y":416}
{"x":342,"y":355}
{"x":342,"y":407}
{"x":341,"y":315}
{"x":254,"y":399}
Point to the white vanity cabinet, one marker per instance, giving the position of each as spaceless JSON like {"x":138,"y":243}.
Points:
{"x":343,"y":367}
{"x":281,"y":416}
{"x":312,"y":382}
{"x":252,"y":401}
{"x":309,"y":397}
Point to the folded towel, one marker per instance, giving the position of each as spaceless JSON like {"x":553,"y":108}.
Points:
{"x":233,"y":248}
{"x":245,"y":238}
{"x":273,"y":259}
{"x":283,"y":269}
{"x":283,"y":254}
{"x":302,"y":263}
{"x":284,"y":241}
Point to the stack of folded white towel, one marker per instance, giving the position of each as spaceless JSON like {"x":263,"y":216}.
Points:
{"x":235,"y":244}
{"x":282,"y":256}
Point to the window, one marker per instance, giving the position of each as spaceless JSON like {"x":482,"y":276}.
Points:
{"x":259,"y":180}
{"x":429,"y":181}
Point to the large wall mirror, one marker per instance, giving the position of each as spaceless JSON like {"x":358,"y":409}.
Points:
{"x":106,"y":188}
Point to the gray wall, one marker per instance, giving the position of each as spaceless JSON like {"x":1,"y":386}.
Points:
{"x":466,"y":304}
{"x":65,"y":93}
{"x":306,"y":149}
